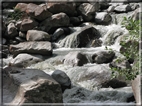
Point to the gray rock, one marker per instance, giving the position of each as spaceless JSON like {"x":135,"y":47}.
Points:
{"x":88,"y":10}
{"x":22,"y":35}
{"x":32,"y":86}
{"x":80,"y":38}
{"x":62,"y":78}
{"x":75,"y":20}
{"x":96,"y":43}
{"x":11,"y":31}
{"x":28,"y":24}
{"x":18,"y":24}
{"x":137,"y":14}
{"x":56,"y":20}
{"x":110,"y":9}
{"x":103,"y":18}
{"x":123,"y":8}
{"x":103,"y":57}
{"x":68,"y":8}
{"x":35,"y":35}
{"x":37,"y":12}
{"x":41,"y":48}
{"x":24,"y":60}
{"x":21,"y":7}
{"x":75,"y":59}
{"x":58,"y":33}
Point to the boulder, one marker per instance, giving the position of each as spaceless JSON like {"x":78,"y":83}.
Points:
{"x":62,"y":78}
{"x":11,"y":31}
{"x":37,"y":12}
{"x":103,"y":57}
{"x":114,"y":83}
{"x":24,"y":60}
{"x":21,"y":7}
{"x":31,"y":86}
{"x":56,"y":20}
{"x":110,"y":9}
{"x":22,"y":34}
{"x":41,"y":48}
{"x":122,"y":8}
{"x":28,"y":24}
{"x":96,"y":43}
{"x":80,"y":38}
{"x":88,"y":10}
{"x":75,"y":20}
{"x":57,"y":34}
{"x":35,"y":35}
{"x":57,"y":7}
{"x":102,"y":18}
{"x":75,"y":59}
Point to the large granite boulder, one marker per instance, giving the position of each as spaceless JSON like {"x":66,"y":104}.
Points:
{"x":103,"y":57}
{"x":24,"y":59}
{"x":28,"y":24}
{"x":41,"y":48}
{"x":75,"y":59}
{"x":62,"y":78}
{"x":35,"y":35}
{"x":56,"y":20}
{"x":80,"y":38}
{"x":30,"y":86}
{"x":88,"y":10}
{"x":56,"y":7}
{"x":38,"y":12}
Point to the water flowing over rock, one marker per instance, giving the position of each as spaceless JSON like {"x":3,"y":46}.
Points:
{"x":103,"y":57}
{"x":41,"y":48}
{"x":56,"y":20}
{"x":88,"y":10}
{"x":68,"y":8}
{"x":28,"y":24}
{"x":23,"y":60}
{"x":35,"y":35}
{"x":75,"y":59}
{"x":32,"y":86}
{"x":80,"y":38}
{"x":62,"y":78}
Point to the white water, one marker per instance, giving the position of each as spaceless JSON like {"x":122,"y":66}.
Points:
{"x":86,"y":84}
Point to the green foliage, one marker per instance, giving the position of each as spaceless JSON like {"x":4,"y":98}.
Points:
{"x":130,"y":45}
{"x":16,"y":15}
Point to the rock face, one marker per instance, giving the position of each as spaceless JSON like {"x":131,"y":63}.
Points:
{"x":35,"y":35}
{"x":56,"y":20}
{"x":103,"y":57}
{"x":41,"y":48}
{"x":23,"y":60}
{"x":62,"y":78}
{"x":68,"y":8}
{"x":37,"y":12}
{"x":80,"y":38}
{"x":28,"y":24}
{"x":75,"y":59}
{"x":33,"y":86}
{"x":88,"y":10}
{"x":102,"y":18}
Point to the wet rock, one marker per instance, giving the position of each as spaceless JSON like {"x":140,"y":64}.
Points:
{"x":114,"y":83}
{"x":75,"y":59}
{"x":110,"y":9}
{"x":136,"y":15}
{"x":103,"y":57}
{"x":21,"y":7}
{"x":31,"y":84}
{"x":102,"y":18}
{"x":122,"y":8}
{"x":62,"y":78}
{"x":37,"y":12}
{"x":18,"y":24}
{"x":80,"y":38}
{"x":35,"y":35}
{"x":88,"y":10}
{"x":75,"y":20}
{"x":28,"y":24}
{"x":57,"y":34}
{"x":41,"y":48}
{"x":22,"y":34}
{"x":56,"y":20}
{"x":96,"y":43}
{"x":24,"y":60}
{"x":11,"y":31}
{"x":68,"y":8}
